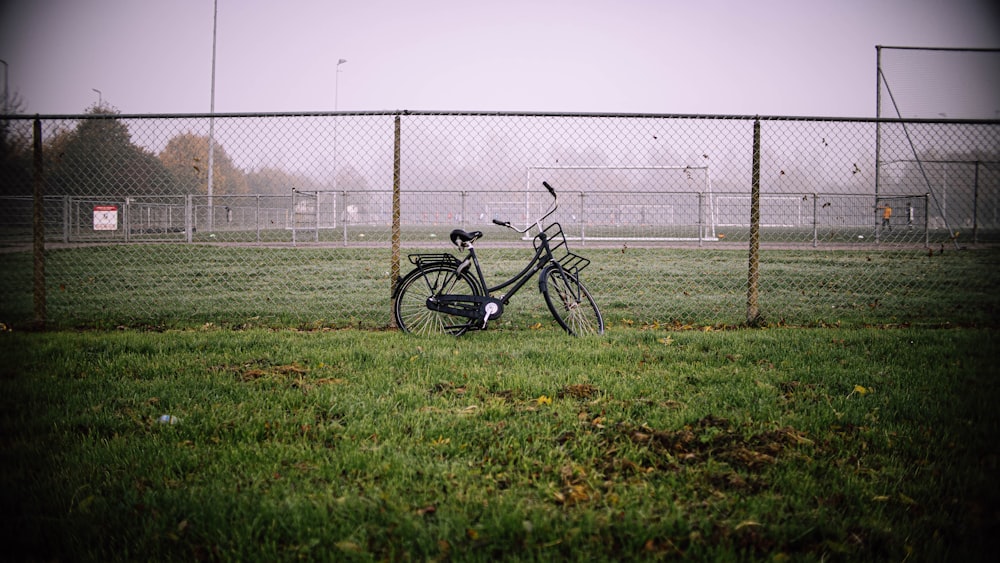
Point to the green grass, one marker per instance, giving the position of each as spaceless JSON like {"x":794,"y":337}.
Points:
{"x":774,"y":444}
{"x":184,"y":286}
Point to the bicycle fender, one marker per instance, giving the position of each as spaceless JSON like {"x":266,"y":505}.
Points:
{"x":543,"y":278}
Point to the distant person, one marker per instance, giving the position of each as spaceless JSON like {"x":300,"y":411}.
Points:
{"x":886,"y":216}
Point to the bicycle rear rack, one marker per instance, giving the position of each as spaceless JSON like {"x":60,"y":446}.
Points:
{"x":421,"y":260}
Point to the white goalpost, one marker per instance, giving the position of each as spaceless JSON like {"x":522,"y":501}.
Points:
{"x":782,"y":211}
{"x":628,"y":203}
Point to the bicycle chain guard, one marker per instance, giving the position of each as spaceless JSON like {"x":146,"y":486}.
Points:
{"x":477,"y":307}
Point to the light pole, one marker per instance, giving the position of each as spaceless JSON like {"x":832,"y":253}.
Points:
{"x":100,"y":97}
{"x":211,"y":124}
{"x":336,"y":119}
{"x":336,"y":84}
{"x":336,"y":124}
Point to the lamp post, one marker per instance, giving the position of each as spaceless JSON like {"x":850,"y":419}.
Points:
{"x":211,"y":125}
{"x":336,"y":84}
{"x":336,"y":119}
{"x":100,"y":97}
{"x":336,"y":124}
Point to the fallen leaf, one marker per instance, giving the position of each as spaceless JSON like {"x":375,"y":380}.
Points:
{"x":348,"y":546}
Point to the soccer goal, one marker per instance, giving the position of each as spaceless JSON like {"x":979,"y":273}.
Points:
{"x":785,"y":211}
{"x":626,"y":203}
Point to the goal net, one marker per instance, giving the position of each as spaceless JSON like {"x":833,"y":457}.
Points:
{"x":641,"y":203}
{"x":788,"y":211}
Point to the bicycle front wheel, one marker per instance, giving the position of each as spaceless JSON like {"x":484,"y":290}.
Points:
{"x":570,"y":302}
{"x":410,"y":306}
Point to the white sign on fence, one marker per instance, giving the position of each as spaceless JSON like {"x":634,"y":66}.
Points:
{"x":105,"y":217}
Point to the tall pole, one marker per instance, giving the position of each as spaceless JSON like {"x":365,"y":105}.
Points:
{"x":6,"y":90}
{"x":336,"y":119}
{"x":753,"y":271}
{"x":336,"y":84}
{"x":878,"y":129}
{"x":336,"y":125}
{"x":211,"y":124}
{"x":38,"y":226}
{"x":100,"y":97}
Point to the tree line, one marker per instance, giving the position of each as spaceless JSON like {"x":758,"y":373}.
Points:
{"x":98,"y":157}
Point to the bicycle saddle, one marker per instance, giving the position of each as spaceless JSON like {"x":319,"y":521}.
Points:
{"x":458,"y":236}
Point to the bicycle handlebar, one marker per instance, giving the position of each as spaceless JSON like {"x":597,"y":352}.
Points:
{"x":537,"y":222}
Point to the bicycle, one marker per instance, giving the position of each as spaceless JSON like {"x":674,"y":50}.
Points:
{"x":443,"y":294}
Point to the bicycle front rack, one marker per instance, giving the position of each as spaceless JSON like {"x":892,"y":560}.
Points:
{"x":570,"y":262}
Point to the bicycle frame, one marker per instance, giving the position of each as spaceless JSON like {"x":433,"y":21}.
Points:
{"x":542,"y":257}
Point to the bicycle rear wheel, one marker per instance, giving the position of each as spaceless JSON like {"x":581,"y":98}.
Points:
{"x":410,"y":306}
{"x":570,"y":302}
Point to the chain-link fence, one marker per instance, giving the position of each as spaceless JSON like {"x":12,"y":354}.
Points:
{"x":295,"y":224}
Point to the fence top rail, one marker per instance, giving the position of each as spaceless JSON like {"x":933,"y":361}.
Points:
{"x":966,"y":49}
{"x":393,"y":113}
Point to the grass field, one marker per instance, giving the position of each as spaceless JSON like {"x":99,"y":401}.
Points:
{"x":770,"y":444}
{"x":185,"y":286}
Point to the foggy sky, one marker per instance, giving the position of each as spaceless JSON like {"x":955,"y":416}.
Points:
{"x":768,"y":57}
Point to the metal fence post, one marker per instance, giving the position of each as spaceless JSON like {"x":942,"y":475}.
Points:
{"x":815,"y":222}
{"x":38,"y":227}
{"x":464,"y":193}
{"x":753,"y":274}
{"x":394,"y":266}
{"x":927,"y":218}
{"x":188,"y":218}
{"x":975,"y":204}
{"x":295,"y":216}
{"x":701,"y":221}
{"x":345,"y":216}
{"x":126,"y":217}
{"x":66,"y":218}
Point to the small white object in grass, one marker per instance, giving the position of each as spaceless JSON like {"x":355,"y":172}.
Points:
{"x":168,"y":419}
{"x":433,"y":235}
{"x":361,"y":235}
{"x":211,"y":235}
{"x":861,"y":236}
